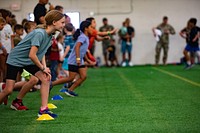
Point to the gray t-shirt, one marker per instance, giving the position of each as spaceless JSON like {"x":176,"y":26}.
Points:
{"x":19,"y":55}
{"x":84,"y":40}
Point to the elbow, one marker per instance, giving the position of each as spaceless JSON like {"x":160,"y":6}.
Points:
{"x":30,"y":56}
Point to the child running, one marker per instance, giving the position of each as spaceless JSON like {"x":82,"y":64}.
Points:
{"x":29,"y":54}
{"x":76,"y":58}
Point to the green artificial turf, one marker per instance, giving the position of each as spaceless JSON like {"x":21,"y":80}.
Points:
{"x":163,"y":99}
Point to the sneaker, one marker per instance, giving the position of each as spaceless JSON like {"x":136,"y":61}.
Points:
{"x":71,"y":93}
{"x":47,"y":111}
{"x":68,"y":85}
{"x":130,"y":63}
{"x":2,"y":87}
{"x":124,"y":64}
{"x":18,"y":105}
{"x":187,"y":67}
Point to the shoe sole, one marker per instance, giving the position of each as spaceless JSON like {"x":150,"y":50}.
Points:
{"x":14,"y":108}
{"x":69,"y":94}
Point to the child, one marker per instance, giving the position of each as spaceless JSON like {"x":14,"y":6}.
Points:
{"x":192,"y":42}
{"x":29,"y":26}
{"x":68,"y":45}
{"x":112,"y":56}
{"x":2,"y":23}
{"x":75,"y":61}
{"x":18,"y":29}
{"x":54,"y":58}
{"x":5,"y":38}
{"x":60,"y":40}
{"x":124,"y":32}
{"x":29,"y":54}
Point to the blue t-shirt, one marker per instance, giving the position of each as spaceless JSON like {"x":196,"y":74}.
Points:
{"x":19,"y":55}
{"x":68,"y":41}
{"x":84,"y":40}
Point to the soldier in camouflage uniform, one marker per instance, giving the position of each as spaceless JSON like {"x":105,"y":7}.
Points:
{"x":105,"y":43}
{"x":163,"y":42}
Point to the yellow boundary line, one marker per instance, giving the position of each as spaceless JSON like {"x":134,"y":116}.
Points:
{"x":178,"y":77}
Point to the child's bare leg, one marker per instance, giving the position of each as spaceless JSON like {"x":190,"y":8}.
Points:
{"x":83,"y":75}
{"x":44,"y":90}
{"x":27,"y":86}
{"x":8,"y":89}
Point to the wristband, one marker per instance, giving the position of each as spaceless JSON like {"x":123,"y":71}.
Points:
{"x":108,"y":32}
{"x":78,"y":59}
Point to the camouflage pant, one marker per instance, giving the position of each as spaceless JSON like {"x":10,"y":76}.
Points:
{"x":165,"y":47}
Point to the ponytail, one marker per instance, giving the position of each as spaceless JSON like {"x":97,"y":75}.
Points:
{"x":76,"y":34}
{"x":83,"y":25}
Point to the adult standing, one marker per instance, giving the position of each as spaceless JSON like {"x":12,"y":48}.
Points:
{"x":126,"y":43}
{"x":40,"y":11}
{"x":163,"y":42}
{"x":106,"y":42}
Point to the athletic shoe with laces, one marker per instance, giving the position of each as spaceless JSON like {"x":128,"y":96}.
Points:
{"x":2,"y":87}
{"x":71,"y":93}
{"x":18,"y":105}
{"x":47,"y":111}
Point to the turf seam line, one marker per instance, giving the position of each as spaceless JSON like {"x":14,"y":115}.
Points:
{"x":178,"y":77}
{"x":141,"y":98}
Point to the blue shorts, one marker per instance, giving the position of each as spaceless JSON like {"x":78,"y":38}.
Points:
{"x":191,"y":49}
{"x":65,"y":64}
{"x":125,"y":47}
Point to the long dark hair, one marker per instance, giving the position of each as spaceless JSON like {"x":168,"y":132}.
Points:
{"x":83,"y":25}
{"x":89,"y":19}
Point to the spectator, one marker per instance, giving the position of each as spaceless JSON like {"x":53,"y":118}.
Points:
{"x":40,"y":11}
{"x":5,"y":38}
{"x":105,"y":43}
{"x":112,"y":53}
{"x":163,"y":42}
{"x":126,"y":43}
{"x":18,"y":30}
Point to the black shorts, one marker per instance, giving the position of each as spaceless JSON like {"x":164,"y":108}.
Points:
{"x":74,"y":68}
{"x":13,"y":70}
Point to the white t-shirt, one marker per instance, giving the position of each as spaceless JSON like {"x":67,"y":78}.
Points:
{"x":6,"y":38}
{"x":61,"y":49}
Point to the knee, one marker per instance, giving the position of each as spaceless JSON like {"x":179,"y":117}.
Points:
{"x":8,"y":91}
{"x":34,"y":81}
{"x":83,"y":77}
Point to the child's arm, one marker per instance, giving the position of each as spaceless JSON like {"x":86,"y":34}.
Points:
{"x":77,"y":50}
{"x":65,"y":53}
{"x":98,"y":38}
{"x":34,"y":58}
{"x":3,"y":49}
{"x":107,"y":33}
{"x":88,"y":61}
{"x":196,"y":37}
{"x":12,"y":41}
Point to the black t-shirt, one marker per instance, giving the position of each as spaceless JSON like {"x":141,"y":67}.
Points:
{"x":39,"y":11}
{"x":187,"y":32}
{"x":193,"y":33}
{"x":130,"y":30}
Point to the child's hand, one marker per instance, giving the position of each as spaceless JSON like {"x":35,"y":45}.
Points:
{"x":106,"y":38}
{"x":4,"y":51}
{"x":78,"y":62}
